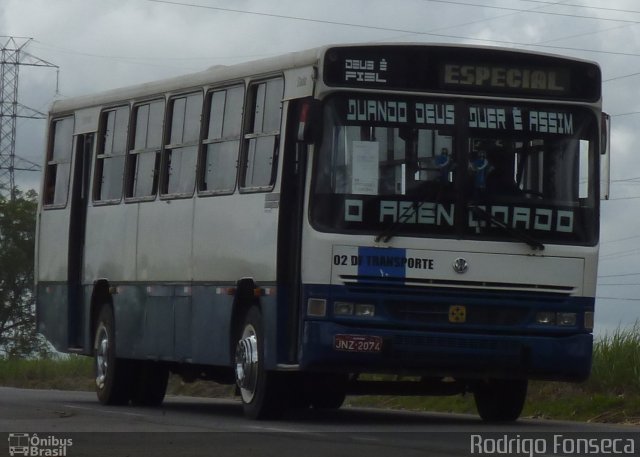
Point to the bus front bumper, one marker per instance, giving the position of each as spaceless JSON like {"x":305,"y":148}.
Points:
{"x":430,"y":353}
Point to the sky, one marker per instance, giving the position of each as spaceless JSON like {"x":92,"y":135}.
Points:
{"x":103,"y":44}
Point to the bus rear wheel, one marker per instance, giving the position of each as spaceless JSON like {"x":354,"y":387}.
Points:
{"x":260,"y":390}
{"x":113,"y":375}
{"x":500,"y":400}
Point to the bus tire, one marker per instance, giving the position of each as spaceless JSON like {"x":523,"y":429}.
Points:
{"x":113,"y":375}
{"x":260,"y":390}
{"x":500,"y":400}
{"x":150,"y":386}
{"x":327,"y":391}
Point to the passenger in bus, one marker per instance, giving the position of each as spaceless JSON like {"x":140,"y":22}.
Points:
{"x":480,"y":167}
{"x":444,"y":165}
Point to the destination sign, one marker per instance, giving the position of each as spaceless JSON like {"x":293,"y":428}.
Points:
{"x":465,"y":70}
{"x":499,"y":77}
{"x":560,"y":220}
{"x":437,"y":114}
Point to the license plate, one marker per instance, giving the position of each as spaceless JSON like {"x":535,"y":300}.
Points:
{"x":357,"y":343}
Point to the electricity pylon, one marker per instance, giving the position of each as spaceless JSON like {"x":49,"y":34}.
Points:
{"x":12,"y":57}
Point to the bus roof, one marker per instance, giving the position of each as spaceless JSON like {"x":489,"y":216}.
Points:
{"x":220,"y":74}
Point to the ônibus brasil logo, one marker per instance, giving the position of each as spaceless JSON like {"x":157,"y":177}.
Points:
{"x":33,"y":445}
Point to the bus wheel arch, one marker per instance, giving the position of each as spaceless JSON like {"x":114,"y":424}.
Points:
{"x":100,"y":297}
{"x":243,"y":301}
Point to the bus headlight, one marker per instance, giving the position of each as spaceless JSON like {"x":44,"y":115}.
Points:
{"x":342,"y":309}
{"x":363,"y":310}
{"x":561,"y":319}
{"x":546,"y":317}
{"x":567,"y":319}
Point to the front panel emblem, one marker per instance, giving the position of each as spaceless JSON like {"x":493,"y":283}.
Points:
{"x":460,"y":265}
{"x":457,"y":314}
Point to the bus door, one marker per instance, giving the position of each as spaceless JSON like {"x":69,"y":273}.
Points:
{"x":81,"y":170}
{"x":290,"y":233}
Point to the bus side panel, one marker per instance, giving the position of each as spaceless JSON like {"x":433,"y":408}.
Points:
{"x":53,"y":245}
{"x":157,"y":321}
{"x":110,"y":244}
{"x":51,"y":277}
{"x":234,"y":237}
{"x":210,"y":326}
{"x":160,"y":322}
{"x":53,"y":299}
{"x":164,"y":241}
{"x":129,"y":309}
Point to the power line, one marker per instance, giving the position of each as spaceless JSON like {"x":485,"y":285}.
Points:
{"x":413,"y":32}
{"x":621,"y":239}
{"x":619,"y":275}
{"x":616,"y":78}
{"x":550,"y":13}
{"x":574,"y":5}
{"x":492,"y":18}
{"x":634,"y":180}
{"x":632,"y":113}
{"x":579,"y":35}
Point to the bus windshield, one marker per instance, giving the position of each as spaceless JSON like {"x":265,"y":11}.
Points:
{"x":405,"y":166}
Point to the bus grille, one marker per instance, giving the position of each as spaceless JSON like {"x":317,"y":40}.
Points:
{"x":438,"y":313}
{"x":371,"y":283}
{"x":451,"y":342}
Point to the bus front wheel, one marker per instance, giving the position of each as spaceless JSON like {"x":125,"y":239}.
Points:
{"x":113,"y":375}
{"x":260,"y":390}
{"x":500,"y":400}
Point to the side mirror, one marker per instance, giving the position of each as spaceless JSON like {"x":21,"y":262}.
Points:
{"x":309,"y":120}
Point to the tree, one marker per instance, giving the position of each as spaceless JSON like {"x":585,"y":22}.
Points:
{"x":18,"y":334}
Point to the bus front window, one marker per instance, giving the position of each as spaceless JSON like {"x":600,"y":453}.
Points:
{"x":426,"y":168}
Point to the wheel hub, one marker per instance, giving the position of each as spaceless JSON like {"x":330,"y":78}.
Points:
{"x":102,"y":351}
{"x":247,"y":365}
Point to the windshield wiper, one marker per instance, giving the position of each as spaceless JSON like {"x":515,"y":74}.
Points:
{"x":390,"y":232}
{"x":409,"y":212}
{"x":532,"y":242}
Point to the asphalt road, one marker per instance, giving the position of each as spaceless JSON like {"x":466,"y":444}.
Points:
{"x":187,"y":426}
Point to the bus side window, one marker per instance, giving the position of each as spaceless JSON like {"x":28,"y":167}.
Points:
{"x":262,"y":134}
{"x":222,"y":140}
{"x":58,"y":169}
{"x":179,"y":164}
{"x":112,"y":149}
{"x":144,"y":155}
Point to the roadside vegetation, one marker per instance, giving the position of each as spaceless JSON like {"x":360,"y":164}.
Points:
{"x":612,"y":393}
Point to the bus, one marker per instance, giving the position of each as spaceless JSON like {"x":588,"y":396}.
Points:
{"x":401,"y":219}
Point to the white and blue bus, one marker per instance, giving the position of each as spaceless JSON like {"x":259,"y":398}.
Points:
{"x":298,"y":224}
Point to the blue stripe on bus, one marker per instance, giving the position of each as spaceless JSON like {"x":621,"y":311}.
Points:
{"x":382,"y":262}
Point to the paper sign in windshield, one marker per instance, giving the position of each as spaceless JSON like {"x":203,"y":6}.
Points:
{"x":365,"y":171}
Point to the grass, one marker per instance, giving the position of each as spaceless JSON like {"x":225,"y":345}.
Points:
{"x":68,"y":373}
{"x":616,"y":363}
{"x":612,"y":393}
